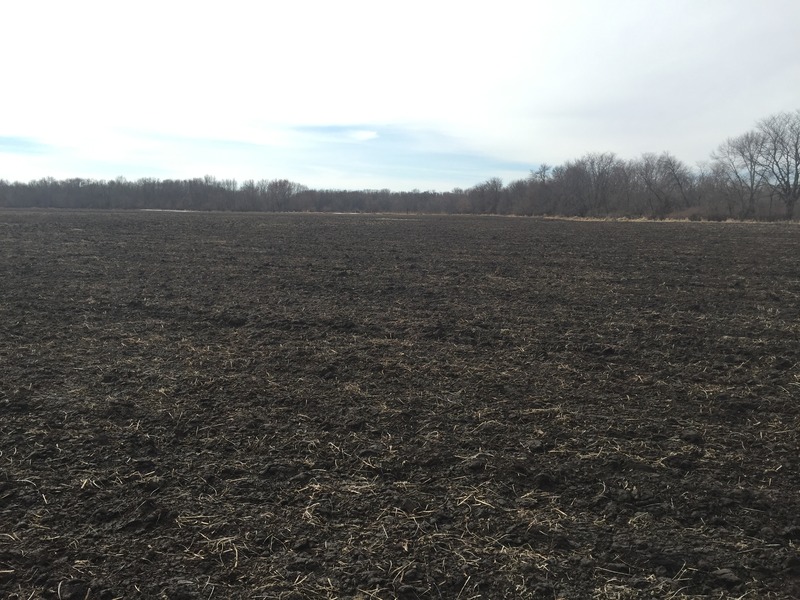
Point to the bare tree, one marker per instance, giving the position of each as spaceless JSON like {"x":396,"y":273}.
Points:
{"x":601,"y":167}
{"x":650,"y":176}
{"x":486,"y":197}
{"x":667,"y":182}
{"x":573,"y":184}
{"x":519,"y":197}
{"x":278,"y":192}
{"x":542,"y":174}
{"x":780,"y":156}
{"x":739,"y":162}
{"x":680,"y":178}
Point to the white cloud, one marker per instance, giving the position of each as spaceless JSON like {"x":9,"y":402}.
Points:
{"x":362,"y":135}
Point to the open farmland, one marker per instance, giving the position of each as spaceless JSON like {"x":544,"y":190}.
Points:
{"x":286,"y":406}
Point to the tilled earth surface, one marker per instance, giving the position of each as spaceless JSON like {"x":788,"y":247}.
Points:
{"x":306,"y":406}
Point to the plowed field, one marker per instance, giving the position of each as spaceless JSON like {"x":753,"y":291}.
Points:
{"x":348,"y":406}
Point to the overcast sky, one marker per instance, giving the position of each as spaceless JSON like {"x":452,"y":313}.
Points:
{"x":426,"y":94}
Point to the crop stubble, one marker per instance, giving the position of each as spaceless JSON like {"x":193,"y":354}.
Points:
{"x":284,"y":406}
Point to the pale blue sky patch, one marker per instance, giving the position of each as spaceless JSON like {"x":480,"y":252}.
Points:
{"x":21,"y":145}
{"x":396,"y":154}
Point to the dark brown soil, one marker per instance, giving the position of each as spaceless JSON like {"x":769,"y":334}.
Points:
{"x":305,"y":406}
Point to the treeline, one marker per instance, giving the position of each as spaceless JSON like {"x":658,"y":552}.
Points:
{"x":753,"y":176}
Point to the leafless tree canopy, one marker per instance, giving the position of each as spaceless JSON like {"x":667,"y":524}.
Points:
{"x":755,"y":175}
